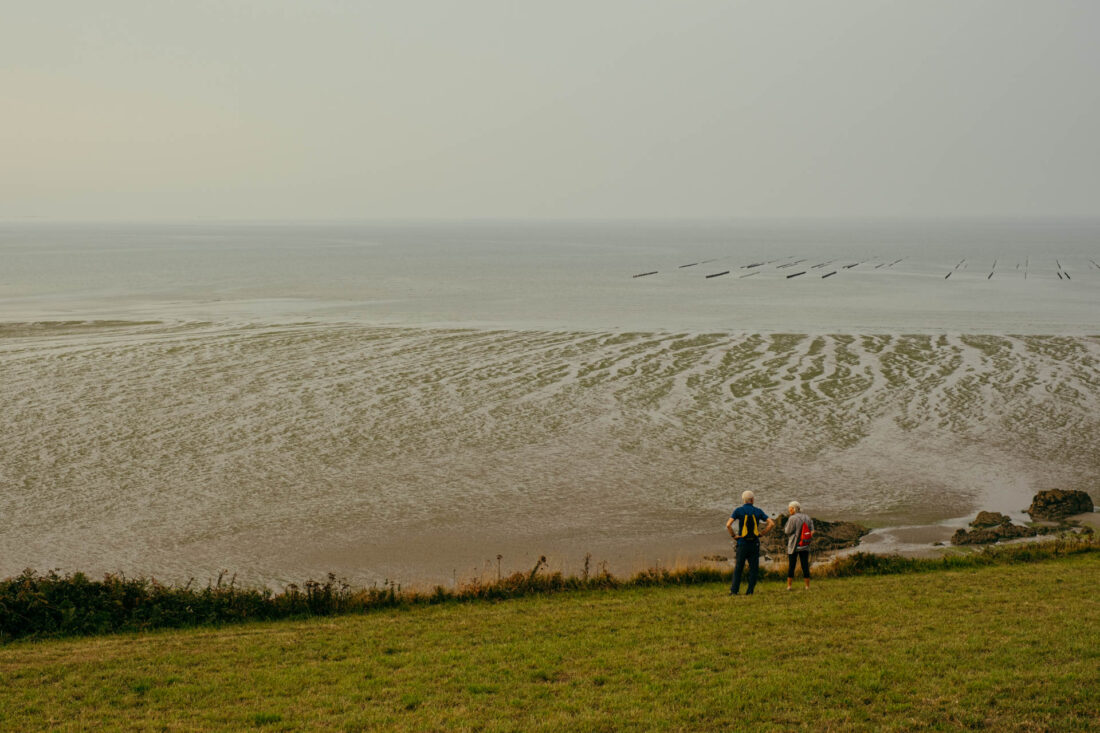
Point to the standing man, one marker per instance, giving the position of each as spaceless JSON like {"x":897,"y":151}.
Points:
{"x":748,"y":519}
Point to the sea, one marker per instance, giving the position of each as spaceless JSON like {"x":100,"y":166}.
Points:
{"x":427,"y":403}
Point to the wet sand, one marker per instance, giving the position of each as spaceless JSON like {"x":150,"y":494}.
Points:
{"x":282,"y":452}
{"x":1091,"y":519}
{"x":438,"y":555}
{"x":408,"y":402}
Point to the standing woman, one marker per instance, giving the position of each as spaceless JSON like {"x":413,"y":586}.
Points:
{"x":799,"y":530}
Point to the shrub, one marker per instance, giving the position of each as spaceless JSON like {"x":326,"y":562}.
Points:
{"x":36,"y":605}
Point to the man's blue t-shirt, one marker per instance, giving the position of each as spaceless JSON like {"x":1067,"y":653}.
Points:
{"x":743,"y":511}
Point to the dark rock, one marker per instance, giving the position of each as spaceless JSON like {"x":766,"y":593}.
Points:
{"x":989,"y":535}
{"x":716,"y":558}
{"x":990,"y":519}
{"x":1056,"y":504}
{"x":827,"y":536}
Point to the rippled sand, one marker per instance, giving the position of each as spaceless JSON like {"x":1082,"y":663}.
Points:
{"x":282,"y":452}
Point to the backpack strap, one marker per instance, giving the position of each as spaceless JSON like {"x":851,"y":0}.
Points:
{"x":749,"y":532}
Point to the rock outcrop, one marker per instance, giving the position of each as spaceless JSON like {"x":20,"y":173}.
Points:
{"x":989,"y":535}
{"x":827,"y":536}
{"x":990,"y":519}
{"x":990,"y":527}
{"x":1058,"y":504}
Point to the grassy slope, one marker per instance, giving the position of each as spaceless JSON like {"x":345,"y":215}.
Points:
{"x":1009,"y":647}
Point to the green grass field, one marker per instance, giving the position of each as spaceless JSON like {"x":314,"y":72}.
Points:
{"x":1004,"y":647}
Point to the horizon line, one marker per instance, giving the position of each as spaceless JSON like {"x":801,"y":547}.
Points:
{"x":555,"y":220}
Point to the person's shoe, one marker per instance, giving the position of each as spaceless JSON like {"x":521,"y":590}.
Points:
{"x":788,"y":587}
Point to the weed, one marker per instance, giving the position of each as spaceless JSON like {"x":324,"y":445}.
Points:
{"x":34,"y":605}
{"x":259,"y":719}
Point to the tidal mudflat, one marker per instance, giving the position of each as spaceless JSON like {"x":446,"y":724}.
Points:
{"x":281,"y":452}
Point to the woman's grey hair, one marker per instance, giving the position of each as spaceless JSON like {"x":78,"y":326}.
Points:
{"x":795,"y":505}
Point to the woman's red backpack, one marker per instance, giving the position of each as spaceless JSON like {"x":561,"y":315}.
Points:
{"x":805,"y":536}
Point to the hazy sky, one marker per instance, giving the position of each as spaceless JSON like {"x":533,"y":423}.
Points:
{"x":151,"y":109}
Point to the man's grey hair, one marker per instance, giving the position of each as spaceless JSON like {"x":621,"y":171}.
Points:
{"x":747,"y":496}
{"x":795,"y":505}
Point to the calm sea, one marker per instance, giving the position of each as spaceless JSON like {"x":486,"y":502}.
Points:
{"x":563,"y":276}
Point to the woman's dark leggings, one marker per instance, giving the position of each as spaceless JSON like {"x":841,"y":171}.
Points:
{"x":804,"y":556}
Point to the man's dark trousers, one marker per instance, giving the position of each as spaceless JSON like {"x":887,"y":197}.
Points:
{"x":746,"y":550}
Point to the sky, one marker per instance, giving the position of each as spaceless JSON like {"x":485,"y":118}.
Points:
{"x":474,"y":109}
